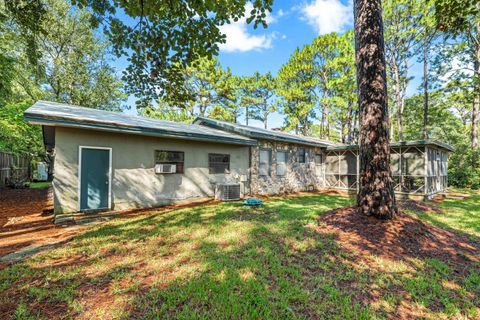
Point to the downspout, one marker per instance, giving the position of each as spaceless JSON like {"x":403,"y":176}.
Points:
{"x":250,"y":170}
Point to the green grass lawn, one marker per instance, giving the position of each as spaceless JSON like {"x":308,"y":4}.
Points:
{"x":462,"y":215}
{"x":39,"y":184}
{"x":230,"y":262}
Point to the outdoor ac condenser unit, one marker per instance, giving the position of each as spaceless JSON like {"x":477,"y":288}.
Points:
{"x":228,"y":191}
{"x":165,"y":168}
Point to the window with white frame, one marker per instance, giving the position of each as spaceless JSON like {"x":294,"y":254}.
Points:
{"x":281,"y":163}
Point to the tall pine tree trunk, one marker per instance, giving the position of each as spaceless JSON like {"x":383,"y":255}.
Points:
{"x":326,"y":107}
{"x":398,"y":102}
{"x":425,"y":90}
{"x":265,"y":113}
{"x":376,"y":196}
{"x":476,"y":98}
{"x":349,"y":123}
{"x":476,"y":107}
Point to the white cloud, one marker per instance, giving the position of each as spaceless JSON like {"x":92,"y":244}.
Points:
{"x":239,"y":39}
{"x":328,"y":15}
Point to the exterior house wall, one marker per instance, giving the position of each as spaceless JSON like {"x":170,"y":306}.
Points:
{"x":299,"y":176}
{"x":134,"y":182}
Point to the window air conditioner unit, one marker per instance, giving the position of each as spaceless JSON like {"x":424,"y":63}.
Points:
{"x":165,"y":168}
{"x":227,"y":192}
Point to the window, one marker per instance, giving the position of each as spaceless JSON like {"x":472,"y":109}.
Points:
{"x":281,"y":163}
{"x":170,"y":157}
{"x":265,"y":160}
{"x":301,"y":155}
{"x":218,"y":163}
{"x":318,"y":164}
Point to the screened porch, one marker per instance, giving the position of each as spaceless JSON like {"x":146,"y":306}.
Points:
{"x":418,"y":167}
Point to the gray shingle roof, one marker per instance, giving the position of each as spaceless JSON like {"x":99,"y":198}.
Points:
{"x":259,"y":133}
{"x":60,"y":114}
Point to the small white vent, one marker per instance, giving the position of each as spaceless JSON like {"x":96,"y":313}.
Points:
{"x":165,"y":168}
{"x":228,"y":192}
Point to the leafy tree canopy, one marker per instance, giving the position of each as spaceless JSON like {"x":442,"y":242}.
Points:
{"x":163,"y":36}
{"x":454,"y":15}
{"x":17,"y":136}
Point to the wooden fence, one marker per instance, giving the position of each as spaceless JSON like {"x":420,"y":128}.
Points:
{"x":13,"y":167}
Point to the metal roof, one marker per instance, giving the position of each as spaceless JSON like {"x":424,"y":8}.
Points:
{"x":259,"y":133}
{"x":65,"y":115}
{"x":434,"y":143}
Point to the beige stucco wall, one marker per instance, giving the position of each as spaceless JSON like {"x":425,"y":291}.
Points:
{"x":134,"y":182}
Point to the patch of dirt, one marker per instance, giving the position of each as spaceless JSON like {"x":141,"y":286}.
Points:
{"x":26,"y":219}
{"x":16,"y":204}
{"x":399,"y":239}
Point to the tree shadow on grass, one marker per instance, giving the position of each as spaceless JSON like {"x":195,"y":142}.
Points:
{"x":226,"y":261}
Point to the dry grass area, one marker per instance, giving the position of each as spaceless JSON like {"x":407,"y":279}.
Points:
{"x":292,"y":258}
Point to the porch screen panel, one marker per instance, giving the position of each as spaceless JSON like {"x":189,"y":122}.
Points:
{"x":331,"y":164}
{"x":413,"y":170}
{"x":413,"y":163}
{"x":348,"y":170}
{"x":331,"y":170}
{"x":395,"y":163}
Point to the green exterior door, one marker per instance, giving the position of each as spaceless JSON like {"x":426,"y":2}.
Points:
{"x":95,"y":178}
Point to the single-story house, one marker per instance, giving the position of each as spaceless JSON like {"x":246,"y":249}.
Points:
{"x":107,"y":160}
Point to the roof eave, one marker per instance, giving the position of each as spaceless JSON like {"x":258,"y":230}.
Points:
{"x":38,"y":119}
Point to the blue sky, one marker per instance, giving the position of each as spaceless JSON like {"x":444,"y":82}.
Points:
{"x":291,"y":24}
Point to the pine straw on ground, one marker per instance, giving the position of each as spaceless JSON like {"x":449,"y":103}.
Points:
{"x":401,"y":238}
{"x":382,"y":246}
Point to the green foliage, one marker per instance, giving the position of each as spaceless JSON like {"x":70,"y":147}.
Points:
{"x":6,"y":78}
{"x":454,"y":15}
{"x":167,"y":33}
{"x":296,"y":86}
{"x":334,"y":61}
{"x":257,"y":96}
{"x":165,"y":112}
{"x":206,"y":90}
{"x":70,"y":63}
{"x":318,"y":82}
{"x":446,"y":125}
{"x":16,"y":135}
{"x":402,"y":19}
{"x":55,"y":55}
{"x":461,"y":173}
{"x":74,"y":60}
